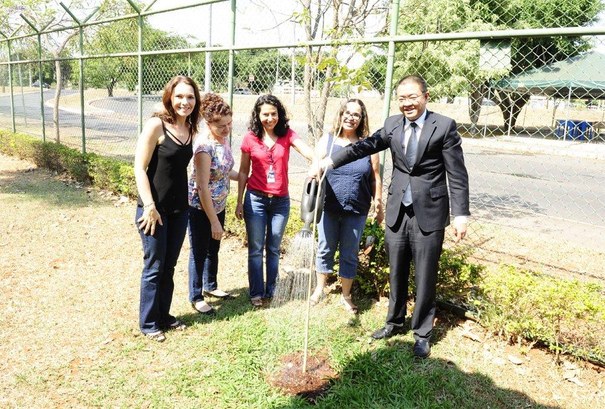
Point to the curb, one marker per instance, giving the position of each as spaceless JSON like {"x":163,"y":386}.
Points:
{"x":524,"y":144}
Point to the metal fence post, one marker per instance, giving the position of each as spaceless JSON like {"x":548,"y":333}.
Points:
{"x":140,"y":63}
{"x":10,"y":82}
{"x":39,"y":36}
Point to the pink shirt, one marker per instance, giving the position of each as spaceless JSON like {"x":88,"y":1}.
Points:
{"x":262,"y":159}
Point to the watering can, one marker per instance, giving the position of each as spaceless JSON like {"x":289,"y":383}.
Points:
{"x":311,"y":189}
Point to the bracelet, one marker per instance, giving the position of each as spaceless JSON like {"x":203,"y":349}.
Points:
{"x":148,"y":205}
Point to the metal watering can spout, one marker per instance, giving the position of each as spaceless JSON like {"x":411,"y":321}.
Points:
{"x":308,"y":203}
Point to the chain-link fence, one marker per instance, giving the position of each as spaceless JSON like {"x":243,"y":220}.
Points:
{"x":523,"y":80}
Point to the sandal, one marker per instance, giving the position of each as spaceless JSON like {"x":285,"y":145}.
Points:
{"x":348,"y":304}
{"x":157,"y":336}
{"x":256,"y":302}
{"x":315,"y":299}
{"x":177,"y":326}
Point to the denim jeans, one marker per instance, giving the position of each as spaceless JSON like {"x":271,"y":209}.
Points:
{"x":343,"y":231}
{"x":203,"y":257}
{"x":160,"y":254}
{"x":266,"y":219}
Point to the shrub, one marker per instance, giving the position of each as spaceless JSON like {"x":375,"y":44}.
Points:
{"x":566,"y":315}
{"x":112,"y":174}
{"x":373,"y":270}
{"x":457,"y":282}
{"x":106,"y":173}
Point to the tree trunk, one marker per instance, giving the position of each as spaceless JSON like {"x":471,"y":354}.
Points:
{"x":511,"y":104}
{"x":57,"y":98}
{"x":309,"y":114}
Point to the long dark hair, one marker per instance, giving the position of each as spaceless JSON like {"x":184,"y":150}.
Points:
{"x":363,"y":129}
{"x":256,"y":125}
{"x":168,"y":114}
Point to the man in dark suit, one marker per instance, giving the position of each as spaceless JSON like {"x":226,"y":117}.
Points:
{"x":427,"y":157}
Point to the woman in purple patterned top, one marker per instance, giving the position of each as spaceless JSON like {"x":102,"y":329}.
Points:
{"x":208,"y":191}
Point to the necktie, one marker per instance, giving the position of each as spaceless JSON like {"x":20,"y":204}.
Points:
{"x":412,"y":147}
{"x":410,"y":157}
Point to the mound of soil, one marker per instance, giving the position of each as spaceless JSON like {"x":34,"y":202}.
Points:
{"x":310,"y":384}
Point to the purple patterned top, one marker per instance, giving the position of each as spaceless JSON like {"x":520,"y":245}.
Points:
{"x":221,"y":163}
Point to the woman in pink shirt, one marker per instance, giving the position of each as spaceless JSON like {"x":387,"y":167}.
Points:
{"x":263,"y":173}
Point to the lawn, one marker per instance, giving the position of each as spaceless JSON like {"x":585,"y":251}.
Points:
{"x":69,"y":278}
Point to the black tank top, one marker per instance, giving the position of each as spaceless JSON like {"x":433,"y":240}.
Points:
{"x":167,"y":173}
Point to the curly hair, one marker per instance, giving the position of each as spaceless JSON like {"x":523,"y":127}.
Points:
{"x":363,"y":129}
{"x":213,"y":107}
{"x":256,"y":125}
{"x":168,"y":115}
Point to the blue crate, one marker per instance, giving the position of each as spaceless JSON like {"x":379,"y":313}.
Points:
{"x":568,"y":129}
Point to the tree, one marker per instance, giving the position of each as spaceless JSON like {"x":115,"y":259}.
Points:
{"x":49,"y":16}
{"x":452,"y":67}
{"x":260,"y":69}
{"x":108,"y":72}
{"x":346,"y":19}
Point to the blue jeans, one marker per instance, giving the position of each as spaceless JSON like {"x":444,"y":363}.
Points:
{"x":343,"y":231}
{"x":266,"y":219}
{"x":203,"y":257}
{"x":160,"y":254}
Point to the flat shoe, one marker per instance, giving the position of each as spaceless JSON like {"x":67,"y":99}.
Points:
{"x":157,"y":336}
{"x":203,"y":308}
{"x":218,"y":294}
{"x":256,"y":302}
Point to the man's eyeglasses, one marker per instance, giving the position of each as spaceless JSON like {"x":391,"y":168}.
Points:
{"x":410,"y":98}
{"x":354,"y":115}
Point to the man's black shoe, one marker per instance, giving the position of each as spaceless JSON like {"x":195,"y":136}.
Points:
{"x":387,"y":331}
{"x":422,"y":348}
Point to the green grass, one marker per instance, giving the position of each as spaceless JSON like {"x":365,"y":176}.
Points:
{"x":222,"y":362}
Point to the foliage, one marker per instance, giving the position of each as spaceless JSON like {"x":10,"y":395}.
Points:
{"x":109,"y":72}
{"x":373,"y":270}
{"x":458,"y":281}
{"x":567,"y":315}
{"x":219,"y":68}
{"x":264,"y":67}
{"x":452,"y":68}
{"x":159,"y":69}
{"x":105,"y":173}
{"x":112,"y":174}
{"x":335,"y":21}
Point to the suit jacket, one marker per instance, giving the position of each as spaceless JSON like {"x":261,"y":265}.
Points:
{"x":439,"y":162}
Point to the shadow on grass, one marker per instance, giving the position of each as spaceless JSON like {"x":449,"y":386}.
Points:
{"x":391,"y":377}
{"x":225,"y":309}
{"x":387,"y":375}
{"x":40,"y":185}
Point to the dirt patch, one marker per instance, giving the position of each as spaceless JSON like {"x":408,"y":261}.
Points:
{"x":311,"y":384}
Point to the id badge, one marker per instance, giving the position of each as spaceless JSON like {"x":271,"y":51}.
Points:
{"x":271,"y":175}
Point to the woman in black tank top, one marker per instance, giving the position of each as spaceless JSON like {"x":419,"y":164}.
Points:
{"x":163,"y":152}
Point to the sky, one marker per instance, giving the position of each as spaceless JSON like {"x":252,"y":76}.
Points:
{"x":258,"y":21}
{"x":255,"y":21}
